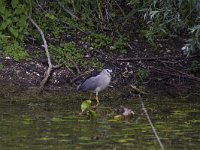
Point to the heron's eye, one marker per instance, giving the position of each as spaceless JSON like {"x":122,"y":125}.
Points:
{"x":109,"y":70}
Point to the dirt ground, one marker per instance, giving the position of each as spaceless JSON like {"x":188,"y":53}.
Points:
{"x":168,"y":69}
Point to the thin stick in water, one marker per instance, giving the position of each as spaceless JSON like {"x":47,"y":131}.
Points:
{"x":150,"y":122}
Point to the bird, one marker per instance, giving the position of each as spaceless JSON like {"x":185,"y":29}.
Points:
{"x":96,"y":83}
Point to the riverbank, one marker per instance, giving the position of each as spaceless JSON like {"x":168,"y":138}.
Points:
{"x":171,"y":74}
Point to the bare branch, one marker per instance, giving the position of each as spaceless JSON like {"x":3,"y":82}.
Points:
{"x":57,"y":66}
{"x":182,"y":73}
{"x":47,"y":74}
{"x":77,"y":77}
{"x":150,"y":122}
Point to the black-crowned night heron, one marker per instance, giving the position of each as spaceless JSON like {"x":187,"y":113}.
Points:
{"x":96,"y":83}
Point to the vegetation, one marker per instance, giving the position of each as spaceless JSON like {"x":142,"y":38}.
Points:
{"x":97,"y":41}
{"x":84,"y":34}
{"x":71,"y":56}
{"x":13,"y":28}
{"x":94,"y":21}
{"x":14,"y":16}
{"x":15,"y":51}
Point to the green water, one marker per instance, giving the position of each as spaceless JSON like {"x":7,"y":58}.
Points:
{"x":42,"y":123}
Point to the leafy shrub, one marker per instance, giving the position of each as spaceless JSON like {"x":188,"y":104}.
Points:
{"x":70,"y":56}
{"x":193,"y":43}
{"x":66,"y":53}
{"x":120,"y":44}
{"x":15,"y":51}
{"x":98,"y":40}
{"x":167,"y":18}
{"x":13,"y":18}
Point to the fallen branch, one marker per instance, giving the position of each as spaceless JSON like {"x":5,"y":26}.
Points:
{"x":50,"y":66}
{"x":148,"y":118}
{"x":175,"y":73}
{"x":150,"y":122}
{"x":183,"y":73}
{"x":137,"y":90}
{"x":157,"y":58}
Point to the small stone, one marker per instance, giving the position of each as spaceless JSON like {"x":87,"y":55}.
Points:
{"x":112,"y":47}
{"x":8,"y":57}
{"x":168,"y":51}
{"x":91,"y":48}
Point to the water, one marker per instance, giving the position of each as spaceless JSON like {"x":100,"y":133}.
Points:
{"x":54,"y":123}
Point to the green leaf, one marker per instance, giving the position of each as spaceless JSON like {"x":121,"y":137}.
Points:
{"x":2,"y":8}
{"x":93,"y":113}
{"x":14,"y":32}
{"x":5,"y":24}
{"x":86,"y":105}
{"x":20,"y":9}
{"x":23,"y":20}
{"x":14,"y":3}
{"x":7,"y":13}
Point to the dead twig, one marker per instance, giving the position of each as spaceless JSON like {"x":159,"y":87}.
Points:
{"x":150,"y":122}
{"x":122,"y":11}
{"x":50,"y":66}
{"x":137,"y":89}
{"x":76,"y":78}
{"x":148,"y":118}
{"x":182,"y":73}
{"x":76,"y":66}
{"x":157,"y":58}
{"x":57,"y":66}
{"x":67,"y":10}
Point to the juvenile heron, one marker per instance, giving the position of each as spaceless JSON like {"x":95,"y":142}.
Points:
{"x":96,"y":83}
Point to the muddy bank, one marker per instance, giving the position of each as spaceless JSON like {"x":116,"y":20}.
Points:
{"x":167,"y":71}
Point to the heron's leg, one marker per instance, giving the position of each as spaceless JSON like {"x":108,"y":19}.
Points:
{"x":97,"y":99}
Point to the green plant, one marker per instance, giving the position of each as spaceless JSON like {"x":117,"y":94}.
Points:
{"x":161,"y":19}
{"x":15,"y":51}
{"x":13,"y":27}
{"x":193,"y":43}
{"x":120,"y":44}
{"x":14,"y":17}
{"x":195,"y":66}
{"x":142,"y":74}
{"x":67,"y":54}
{"x":3,"y":40}
{"x":71,"y":56}
{"x":86,"y":108}
{"x":97,"y":40}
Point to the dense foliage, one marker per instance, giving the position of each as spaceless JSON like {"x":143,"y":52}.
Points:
{"x":152,"y":19}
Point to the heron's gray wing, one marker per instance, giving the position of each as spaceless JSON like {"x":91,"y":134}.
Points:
{"x":90,"y":84}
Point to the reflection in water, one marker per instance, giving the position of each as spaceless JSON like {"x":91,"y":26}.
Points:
{"x":57,"y":125}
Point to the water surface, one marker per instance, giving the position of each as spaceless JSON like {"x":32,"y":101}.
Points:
{"x":55,"y":123}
